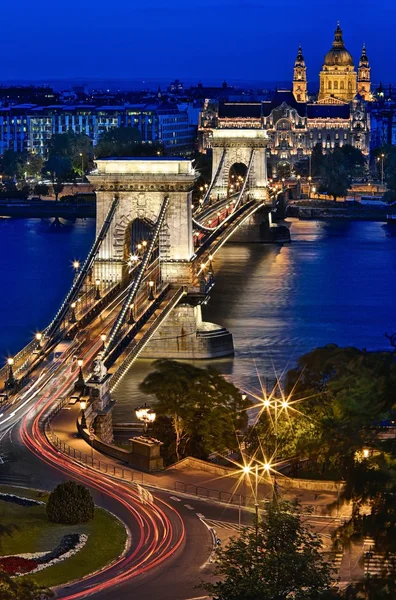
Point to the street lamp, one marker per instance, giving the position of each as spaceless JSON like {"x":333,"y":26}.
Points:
{"x":247,"y":470}
{"x":151,"y":293}
{"x":39,"y":337}
{"x":131,"y":320}
{"x":11,"y":379}
{"x":80,"y":380}
{"x":146,"y":415}
{"x":82,"y":167}
{"x":97,"y":294}
{"x":103,"y":337}
{"x":382,"y":168}
{"x":83,"y":406}
{"x":73,"y":313}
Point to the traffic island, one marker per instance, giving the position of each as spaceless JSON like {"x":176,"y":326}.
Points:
{"x":74,"y":551}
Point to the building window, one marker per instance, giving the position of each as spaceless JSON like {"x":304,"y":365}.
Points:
{"x":342,"y":85}
{"x":329,"y":86}
{"x":336,"y":85}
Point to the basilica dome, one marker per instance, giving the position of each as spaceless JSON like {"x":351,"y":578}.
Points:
{"x":338,"y":56}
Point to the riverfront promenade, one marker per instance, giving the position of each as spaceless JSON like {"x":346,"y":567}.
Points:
{"x":188,"y":479}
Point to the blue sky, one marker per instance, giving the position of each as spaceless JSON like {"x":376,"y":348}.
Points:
{"x":208,"y":40}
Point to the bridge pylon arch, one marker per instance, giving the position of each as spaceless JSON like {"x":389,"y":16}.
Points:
{"x":141,"y":186}
{"x":230,"y":146}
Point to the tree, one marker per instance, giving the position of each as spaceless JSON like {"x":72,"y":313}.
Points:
{"x":70,"y":503}
{"x":41,"y":189}
{"x":13,"y":164}
{"x":344,"y":394}
{"x":284,"y":170}
{"x":354,"y":160}
{"x":22,"y":589}
{"x":34,"y":165}
{"x":202,"y":409}
{"x":118,"y":141}
{"x":282,"y":561}
{"x":335,"y":178}
{"x":76,"y":147}
{"x":60,"y":170}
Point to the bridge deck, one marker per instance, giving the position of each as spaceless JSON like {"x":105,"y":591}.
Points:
{"x":161,"y":309}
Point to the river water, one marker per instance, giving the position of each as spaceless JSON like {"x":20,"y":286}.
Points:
{"x":335,"y":283}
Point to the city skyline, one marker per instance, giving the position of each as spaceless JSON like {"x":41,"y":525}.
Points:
{"x":149,"y":41}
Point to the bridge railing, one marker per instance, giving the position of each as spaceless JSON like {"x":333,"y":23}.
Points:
{"x":140,"y":344}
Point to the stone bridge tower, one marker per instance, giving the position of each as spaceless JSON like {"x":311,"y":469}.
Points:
{"x":141,"y":185}
{"x":232,"y":146}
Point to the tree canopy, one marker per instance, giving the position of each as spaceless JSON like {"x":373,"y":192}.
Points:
{"x":199,"y":411}
{"x":282,"y":561}
{"x":338,"y":168}
{"x":22,"y":589}
{"x":125,"y":141}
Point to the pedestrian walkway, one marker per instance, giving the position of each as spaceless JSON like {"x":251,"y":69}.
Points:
{"x":188,"y":481}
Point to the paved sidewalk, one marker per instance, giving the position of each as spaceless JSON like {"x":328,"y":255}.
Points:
{"x":188,"y":480}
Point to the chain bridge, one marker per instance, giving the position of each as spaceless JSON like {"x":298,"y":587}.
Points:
{"x":142,"y":285}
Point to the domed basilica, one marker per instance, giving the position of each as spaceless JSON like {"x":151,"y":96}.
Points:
{"x":294,"y":122}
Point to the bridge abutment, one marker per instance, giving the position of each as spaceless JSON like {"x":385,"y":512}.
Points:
{"x":185,"y":336}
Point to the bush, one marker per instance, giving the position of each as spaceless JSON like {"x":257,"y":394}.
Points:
{"x":70,"y":504}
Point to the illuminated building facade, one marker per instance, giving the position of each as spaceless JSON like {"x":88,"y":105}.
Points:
{"x":294,"y":124}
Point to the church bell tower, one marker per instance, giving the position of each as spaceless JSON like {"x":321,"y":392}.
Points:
{"x":364,"y":78}
{"x":300,"y":78}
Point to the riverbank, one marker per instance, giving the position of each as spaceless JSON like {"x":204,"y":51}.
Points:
{"x":352,"y":211}
{"x":31,"y":209}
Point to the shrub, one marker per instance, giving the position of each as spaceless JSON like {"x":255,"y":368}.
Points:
{"x":70,"y":503}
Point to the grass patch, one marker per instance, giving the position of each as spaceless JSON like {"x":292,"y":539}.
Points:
{"x":106,"y":539}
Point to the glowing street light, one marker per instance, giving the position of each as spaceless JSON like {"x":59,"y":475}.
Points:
{"x":131,"y":320}
{"x":72,"y":318}
{"x":146,"y":415}
{"x":83,"y":406}
{"x":76,"y":265}
{"x":11,"y":379}
{"x":80,"y":384}
{"x":103,"y":337}
{"x":151,"y":291}
{"x":97,"y":293}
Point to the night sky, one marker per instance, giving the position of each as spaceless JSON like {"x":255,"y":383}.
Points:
{"x":239,"y":40}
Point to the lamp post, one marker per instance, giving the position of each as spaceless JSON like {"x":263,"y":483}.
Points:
{"x":103,"y":337}
{"x":80,"y":380}
{"x":38,"y":337}
{"x":248,"y":470}
{"x":82,"y":167}
{"x":73,"y":318}
{"x":151,"y":291}
{"x":298,"y":187}
{"x":73,"y":313}
{"x":83,"y":406}
{"x":11,"y":379}
{"x":97,"y":293}
{"x":146,"y":415}
{"x":131,"y":320}
{"x":382,"y":168}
